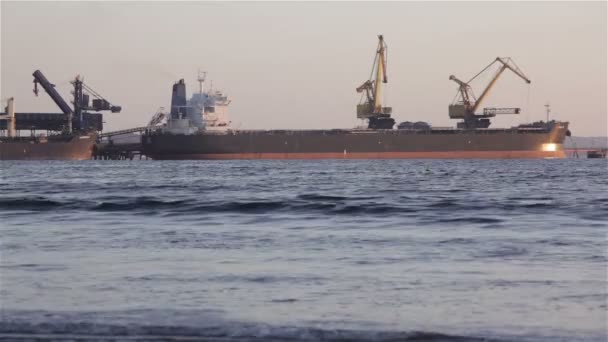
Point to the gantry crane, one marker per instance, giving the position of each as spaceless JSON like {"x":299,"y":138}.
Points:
{"x":467,"y":105}
{"x":81,"y":102}
{"x":77,"y":119}
{"x":371,"y":108}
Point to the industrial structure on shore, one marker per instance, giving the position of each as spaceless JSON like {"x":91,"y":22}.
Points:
{"x":68,"y":135}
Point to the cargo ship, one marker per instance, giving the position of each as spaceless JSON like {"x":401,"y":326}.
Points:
{"x":52,"y":147}
{"x":189,"y":134}
{"x":70,"y":135}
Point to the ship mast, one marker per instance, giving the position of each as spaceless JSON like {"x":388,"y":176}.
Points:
{"x":201,"y":80}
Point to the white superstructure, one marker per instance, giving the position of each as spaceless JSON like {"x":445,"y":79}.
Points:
{"x":210,"y":105}
{"x":205,"y":110}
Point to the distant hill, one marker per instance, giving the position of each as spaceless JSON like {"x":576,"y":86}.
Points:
{"x":586,"y":142}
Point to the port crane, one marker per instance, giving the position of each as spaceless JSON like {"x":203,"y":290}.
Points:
{"x":81,"y":94}
{"x":467,"y":104}
{"x":77,"y":118}
{"x":371,"y":108}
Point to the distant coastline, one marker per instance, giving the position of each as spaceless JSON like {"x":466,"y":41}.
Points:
{"x":586,"y":142}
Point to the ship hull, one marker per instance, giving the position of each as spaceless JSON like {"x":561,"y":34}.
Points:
{"x":52,"y":148}
{"x":363,"y":144}
{"x":379,"y":155}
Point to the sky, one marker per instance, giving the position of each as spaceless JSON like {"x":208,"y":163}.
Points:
{"x":297,"y":64}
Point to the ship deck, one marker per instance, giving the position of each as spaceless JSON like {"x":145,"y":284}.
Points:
{"x":442,"y":131}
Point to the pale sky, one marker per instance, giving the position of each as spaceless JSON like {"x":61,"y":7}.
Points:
{"x":296,"y":65}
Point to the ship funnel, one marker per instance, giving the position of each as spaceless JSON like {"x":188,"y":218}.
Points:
{"x":178,"y":100}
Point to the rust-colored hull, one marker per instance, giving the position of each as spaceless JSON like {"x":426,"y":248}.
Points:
{"x":378,"y":155}
{"x":53,"y":148}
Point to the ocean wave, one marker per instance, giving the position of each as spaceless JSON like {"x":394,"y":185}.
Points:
{"x":268,"y":278}
{"x":30,"y":203}
{"x":503,"y":252}
{"x":488,"y":220}
{"x":241,"y":332}
{"x":464,"y":241}
{"x":428,"y":210}
{"x":136,"y":203}
{"x":305,"y":203}
{"x":35,"y":267}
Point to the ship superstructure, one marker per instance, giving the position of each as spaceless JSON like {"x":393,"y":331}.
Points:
{"x":206,"y":110}
{"x":210,"y":105}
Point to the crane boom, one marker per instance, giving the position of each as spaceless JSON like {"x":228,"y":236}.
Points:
{"x":380,"y":74}
{"x":515,"y":70}
{"x":505,"y":66}
{"x":368,"y":87}
{"x":488,"y":88}
{"x":464,"y":91}
{"x":39,"y":78}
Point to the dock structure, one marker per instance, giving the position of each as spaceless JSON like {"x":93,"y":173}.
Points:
{"x":122,"y":132}
{"x":118,"y":145}
{"x":111,"y":151}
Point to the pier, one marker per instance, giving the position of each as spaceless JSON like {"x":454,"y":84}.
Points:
{"x":111,"y":151}
{"x":119,"y":145}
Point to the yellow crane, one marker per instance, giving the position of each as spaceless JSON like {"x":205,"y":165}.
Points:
{"x":467,"y":104}
{"x":371,"y":108}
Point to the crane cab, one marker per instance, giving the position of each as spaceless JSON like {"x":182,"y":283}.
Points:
{"x":457,"y":111}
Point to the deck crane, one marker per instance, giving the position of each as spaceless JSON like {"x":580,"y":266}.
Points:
{"x":371,"y":108}
{"x":468,"y":104}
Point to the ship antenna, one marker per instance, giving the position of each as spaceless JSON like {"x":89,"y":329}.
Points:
{"x":201,"y":80}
